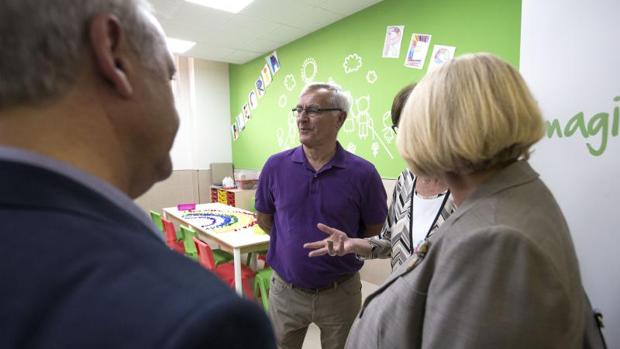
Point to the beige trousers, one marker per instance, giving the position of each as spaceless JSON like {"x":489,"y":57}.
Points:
{"x":292,"y":310}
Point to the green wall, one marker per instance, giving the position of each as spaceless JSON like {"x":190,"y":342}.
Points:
{"x":472,"y":26}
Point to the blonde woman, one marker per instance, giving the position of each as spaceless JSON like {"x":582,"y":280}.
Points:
{"x":501,"y":272}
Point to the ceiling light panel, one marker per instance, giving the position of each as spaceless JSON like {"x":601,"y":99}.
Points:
{"x":178,"y":45}
{"x":232,"y":6}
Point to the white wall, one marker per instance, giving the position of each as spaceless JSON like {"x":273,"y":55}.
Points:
{"x":202,"y":100}
{"x":182,"y":86}
{"x":211,"y":129}
{"x":570,"y":56}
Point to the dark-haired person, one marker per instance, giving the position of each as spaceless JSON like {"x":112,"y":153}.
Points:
{"x":419,"y":206}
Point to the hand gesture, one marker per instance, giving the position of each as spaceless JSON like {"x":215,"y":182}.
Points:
{"x":337,"y":243}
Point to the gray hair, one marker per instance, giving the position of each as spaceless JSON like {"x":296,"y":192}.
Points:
{"x":42,"y":42}
{"x":339,"y":98}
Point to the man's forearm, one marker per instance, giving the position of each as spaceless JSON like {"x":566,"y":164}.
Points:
{"x":373,"y":230}
{"x":265,"y":222}
{"x":265,"y":226}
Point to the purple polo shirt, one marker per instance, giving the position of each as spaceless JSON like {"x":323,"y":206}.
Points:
{"x":347,"y":194}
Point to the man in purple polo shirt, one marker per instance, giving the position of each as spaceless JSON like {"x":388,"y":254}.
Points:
{"x":317,"y":182}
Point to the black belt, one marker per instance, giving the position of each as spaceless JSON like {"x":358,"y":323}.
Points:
{"x":334,"y":284}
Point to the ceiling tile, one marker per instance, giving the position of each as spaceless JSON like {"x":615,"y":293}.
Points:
{"x":164,"y":8}
{"x":257,"y":29}
{"x":240,"y":57}
{"x":347,"y":7}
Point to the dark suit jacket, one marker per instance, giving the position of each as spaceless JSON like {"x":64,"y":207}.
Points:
{"x":79,"y":272}
{"x":501,"y":272}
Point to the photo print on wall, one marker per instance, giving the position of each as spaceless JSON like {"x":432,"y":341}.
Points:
{"x":441,"y":54}
{"x":252,"y":99}
{"x":393,"y":39}
{"x":418,"y":47}
{"x":246,"y":112}
{"x":265,"y":73}
{"x":273,"y":62}
{"x":260,"y":87}
{"x":234,"y":131}
{"x":240,"y":122}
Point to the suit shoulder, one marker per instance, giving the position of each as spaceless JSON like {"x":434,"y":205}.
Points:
{"x":218,"y":325}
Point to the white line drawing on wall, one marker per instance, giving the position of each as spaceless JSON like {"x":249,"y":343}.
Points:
{"x":376,"y":136}
{"x":374,"y":147}
{"x":292,"y":139}
{"x":365,"y":122}
{"x":363,"y":104}
{"x":351,"y":148}
{"x":371,"y":76}
{"x":289,"y":139}
{"x":309,"y":78}
{"x":289,"y":82}
{"x":280,"y":138}
{"x":359,"y":118}
{"x":282,"y":101}
{"x":349,"y":123}
{"x":388,"y":134}
{"x":352,"y":63}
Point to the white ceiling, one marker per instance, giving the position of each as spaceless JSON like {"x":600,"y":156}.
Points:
{"x":259,"y":28}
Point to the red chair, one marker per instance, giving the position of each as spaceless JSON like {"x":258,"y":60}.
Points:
{"x":171,"y":236}
{"x":225,"y":271}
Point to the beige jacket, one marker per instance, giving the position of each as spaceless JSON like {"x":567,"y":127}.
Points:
{"x":501,"y":272}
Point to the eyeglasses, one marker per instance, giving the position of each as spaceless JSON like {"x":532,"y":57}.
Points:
{"x":395,"y":128}
{"x":312,"y":111}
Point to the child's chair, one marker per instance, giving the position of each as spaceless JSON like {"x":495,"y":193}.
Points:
{"x":221,"y":256}
{"x":187,"y":235}
{"x":156,"y":218}
{"x":261,"y":283}
{"x":225,"y":271}
{"x":172,"y":239}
